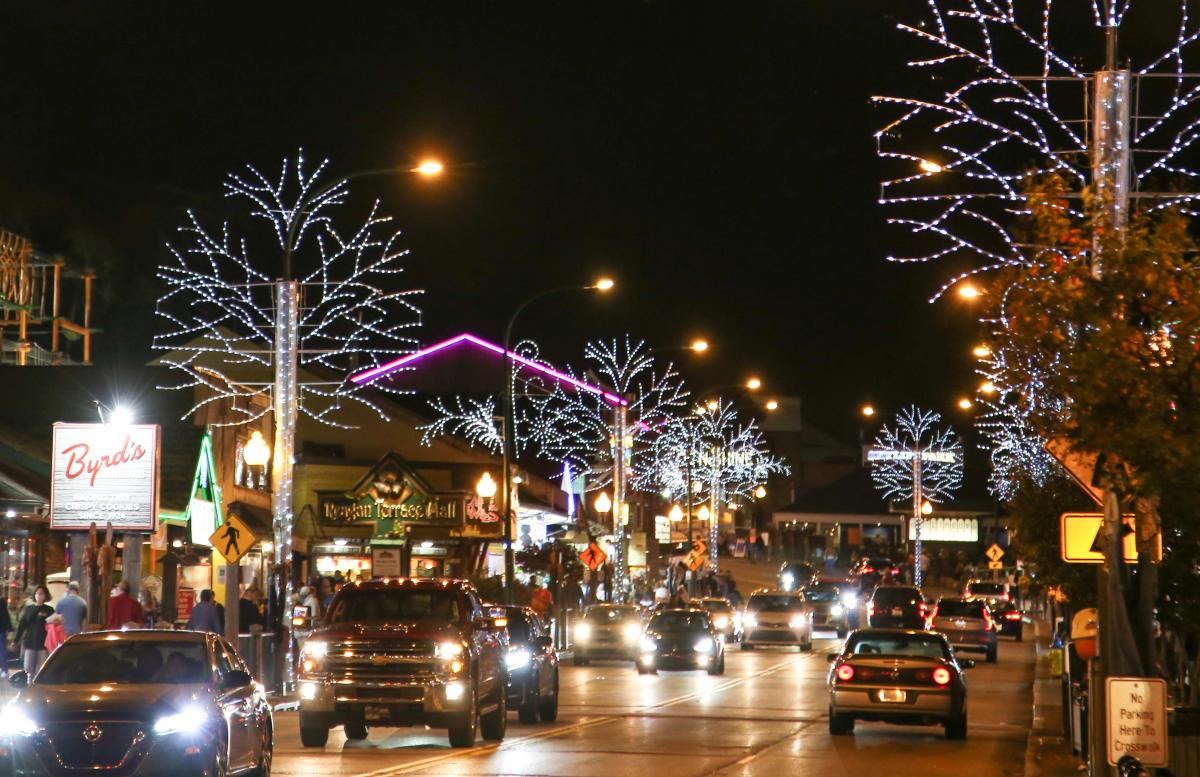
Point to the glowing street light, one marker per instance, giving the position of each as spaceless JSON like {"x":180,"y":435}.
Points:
{"x":926,"y":508}
{"x":964,"y":404}
{"x":868,"y":411}
{"x":430,"y":168}
{"x":120,"y":416}
{"x":256,"y":452}
{"x":772,"y":405}
{"x":760,"y":492}
{"x":699,"y":345}
{"x":603,"y":503}
{"x":987,"y":387}
{"x":969,"y":290}
{"x":981,"y":351}
{"x":712,"y":405}
{"x":675,"y":514}
{"x":753,"y":384}
{"x":930,"y":166}
{"x":704,"y":514}
{"x":486,"y":487}
{"x":604,"y":284}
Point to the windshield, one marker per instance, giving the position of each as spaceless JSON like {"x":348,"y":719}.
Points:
{"x":774,"y":603}
{"x":821,"y":594}
{"x":892,"y":596}
{"x":957,"y":608}
{"x":925,"y":645}
{"x":986,"y":589}
{"x":720,"y":607}
{"x":679,"y":621}
{"x":518,"y":627}
{"x":609,"y":614}
{"x":127,"y":661}
{"x":395,"y":605}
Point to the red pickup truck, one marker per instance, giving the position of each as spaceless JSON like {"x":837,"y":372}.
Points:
{"x":404,"y":652}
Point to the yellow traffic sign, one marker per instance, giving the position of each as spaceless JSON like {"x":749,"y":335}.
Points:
{"x":1082,"y":544}
{"x":593,"y":557}
{"x":994,"y":553}
{"x":700,"y":547}
{"x":695,"y":560}
{"x":1080,"y":466}
{"x":995,"y":565}
{"x":232,"y":539}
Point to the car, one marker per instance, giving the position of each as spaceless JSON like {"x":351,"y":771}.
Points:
{"x":898,"y":607}
{"x":1009,"y":619}
{"x":897,"y":676}
{"x":608,"y":631}
{"x":726,"y":619}
{"x":681,"y":639}
{"x":967,"y":623}
{"x":138,"y":702}
{"x":532,"y":665}
{"x":829,"y":611}
{"x":988,"y":591}
{"x":851,"y":597}
{"x":794,"y":575}
{"x":405,"y":652}
{"x":776,"y":618}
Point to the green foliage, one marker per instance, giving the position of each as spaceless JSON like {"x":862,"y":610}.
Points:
{"x":1034,"y":515}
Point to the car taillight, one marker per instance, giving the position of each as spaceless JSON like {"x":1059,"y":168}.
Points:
{"x":1012,"y":615}
{"x":922,"y":610}
{"x":845,"y":673}
{"x":988,"y":623}
{"x":868,"y":570}
{"x":871,"y":609}
{"x":941,"y":675}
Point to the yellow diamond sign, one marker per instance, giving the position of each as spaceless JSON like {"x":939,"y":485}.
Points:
{"x":232,"y":539}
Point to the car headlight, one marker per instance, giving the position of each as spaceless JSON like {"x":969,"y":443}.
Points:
{"x":516,"y":659}
{"x":448,"y":650}
{"x":649,"y":645}
{"x":187,"y":719}
{"x":704,"y":645}
{"x":797,"y":622}
{"x":788,"y":581}
{"x":313,"y":649}
{"x":721,"y":621}
{"x":850,"y":599}
{"x":749,"y":620}
{"x":631,"y":631}
{"x":583,"y":632}
{"x":14,"y":720}
{"x":837,"y":610}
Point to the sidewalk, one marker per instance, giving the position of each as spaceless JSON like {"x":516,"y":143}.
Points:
{"x":1048,"y":750}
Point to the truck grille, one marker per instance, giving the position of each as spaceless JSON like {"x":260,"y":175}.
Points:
{"x":381,"y":661}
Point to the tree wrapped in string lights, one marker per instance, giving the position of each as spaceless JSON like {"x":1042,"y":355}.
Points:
{"x":1012,"y":97}
{"x":708,"y":457}
{"x":916,"y":459}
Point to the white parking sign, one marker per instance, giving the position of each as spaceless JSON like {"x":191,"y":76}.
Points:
{"x":1137,"y":720}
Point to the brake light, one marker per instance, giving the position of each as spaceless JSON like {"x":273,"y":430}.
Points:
{"x":871,"y":609}
{"x":868,"y":570}
{"x":922,"y":610}
{"x":845,"y":673}
{"x":941,"y":675}
{"x":987,"y":619}
{"x":1012,"y":615}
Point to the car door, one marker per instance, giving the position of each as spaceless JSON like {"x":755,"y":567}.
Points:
{"x":489,"y":649}
{"x":542,"y":655}
{"x":238,"y":705}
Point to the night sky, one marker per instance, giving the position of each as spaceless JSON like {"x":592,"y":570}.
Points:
{"x":716,"y":159}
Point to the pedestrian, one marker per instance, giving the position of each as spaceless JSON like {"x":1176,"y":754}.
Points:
{"x":248,"y":612}
{"x":204,"y":615}
{"x":149,"y":607}
{"x":542,"y":602}
{"x":123,"y":610}
{"x":5,"y":628}
{"x":325,"y":586}
{"x":310,"y":600}
{"x":73,"y":610}
{"x":31,"y":630}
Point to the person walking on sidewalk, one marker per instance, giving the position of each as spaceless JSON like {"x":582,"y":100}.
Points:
{"x":31,"y":630}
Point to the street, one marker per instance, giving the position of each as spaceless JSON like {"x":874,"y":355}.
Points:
{"x":766,"y":716}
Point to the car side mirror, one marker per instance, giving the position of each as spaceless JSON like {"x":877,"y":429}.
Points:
{"x":236,"y":679}
{"x":831,"y":657}
{"x":967,"y":663}
{"x":18,"y":680}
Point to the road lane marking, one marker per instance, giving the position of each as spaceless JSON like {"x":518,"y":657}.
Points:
{"x":487,"y":749}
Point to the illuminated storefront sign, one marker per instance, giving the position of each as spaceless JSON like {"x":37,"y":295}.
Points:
{"x":102,"y":474}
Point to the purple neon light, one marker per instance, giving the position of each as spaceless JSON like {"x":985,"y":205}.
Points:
{"x":408,"y":359}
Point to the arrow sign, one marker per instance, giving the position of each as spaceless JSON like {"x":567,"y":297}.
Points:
{"x":1082,"y":538}
{"x":994,"y":553}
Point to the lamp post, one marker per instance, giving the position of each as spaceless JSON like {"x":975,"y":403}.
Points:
{"x":508,"y":425}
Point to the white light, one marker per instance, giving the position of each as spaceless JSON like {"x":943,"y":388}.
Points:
{"x":308,"y":690}
{"x":517,"y":659}
{"x":750,"y":620}
{"x":455,"y":691}
{"x":427,"y":544}
{"x":721,"y":621}
{"x":120,"y":416}
{"x":704,"y":645}
{"x":583,"y":632}
{"x":188,"y":719}
{"x":788,"y":581}
{"x":341,"y":543}
{"x":849,"y":599}
{"x":649,"y":645}
{"x":14,"y":719}
{"x":10,"y":513}
{"x":929,"y":166}
{"x":315,"y":649}
{"x":837,"y":610}
{"x":797,"y":622}
{"x":448,"y":650}
{"x":632,"y":631}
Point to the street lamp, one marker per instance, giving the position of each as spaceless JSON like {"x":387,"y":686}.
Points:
{"x":486,"y":487}
{"x":926,"y":508}
{"x":969,"y":291}
{"x":256,"y":452}
{"x":760,"y":492}
{"x":753,"y":384}
{"x":964,"y":404}
{"x":430,"y":168}
{"x":987,"y":387}
{"x":675,"y":514}
{"x":507,"y":424}
{"x":772,"y":405}
{"x":930,"y":166}
{"x":868,"y":411}
{"x":704,"y":513}
{"x":603,"y":503}
{"x":699,"y":345}
{"x":981,"y":351}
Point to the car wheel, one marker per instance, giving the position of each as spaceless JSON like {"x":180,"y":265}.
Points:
{"x":314,"y":731}
{"x":840,"y":724}
{"x":355,"y":730}
{"x":494,"y":724}
{"x":548,"y":708}
{"x":266,"y":753}
{"x":463,"y":735}
{"x":528,"y":712}
{"x":957,"y":728}
{"x":718,"y":667}
{"x":991,"y":653}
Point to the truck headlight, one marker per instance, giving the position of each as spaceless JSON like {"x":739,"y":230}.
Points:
{"x":649,"y":645}
{"x":516,"y":659}
{"x":315,"y":649}
{"x":448,"y":650}
{"x":788,"y":581}
{"x":704,"y":645}
{"x":583,"y":632}
{"x":721,"y":621}
{"x":15,"y":721}
{"x":188,"y":719}
{"x":850,"y":599}
{"x":455,"y":691}
{"x":797,"y":622}
{"x":749,"y":620}
{"x":631,"y":631}
{"x":837,"y":610}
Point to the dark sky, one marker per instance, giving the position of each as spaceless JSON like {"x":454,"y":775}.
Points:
{"x":717,"y":159}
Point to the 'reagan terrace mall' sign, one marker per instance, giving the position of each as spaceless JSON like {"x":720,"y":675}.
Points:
{"x":339,"y":509}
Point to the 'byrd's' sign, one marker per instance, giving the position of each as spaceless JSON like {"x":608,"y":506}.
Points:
{"x":104,"y":473}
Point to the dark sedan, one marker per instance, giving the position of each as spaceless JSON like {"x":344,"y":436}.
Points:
{"x":1009,"y":619}
{"x":897,"y":607}
{"x":681,"y":639}
{"x":138,"y":703}
{"x":532,"y":666}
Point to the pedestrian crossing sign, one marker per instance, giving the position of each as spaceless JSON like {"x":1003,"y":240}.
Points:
{"x":232,"y":539}
{"x":593,"y":557}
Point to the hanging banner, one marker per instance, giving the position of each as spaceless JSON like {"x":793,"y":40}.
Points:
{"x":104,"y":473}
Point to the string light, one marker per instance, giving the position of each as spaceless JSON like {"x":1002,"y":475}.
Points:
{"x":218,"y":313}
{"x":915,"y":434}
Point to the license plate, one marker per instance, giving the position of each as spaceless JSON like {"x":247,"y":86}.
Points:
{"x":897,"y":611}
{"x":376,"y":713}
{"x":892,"y":695}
